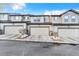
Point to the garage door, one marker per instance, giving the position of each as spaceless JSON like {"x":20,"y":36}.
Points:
{"x":13,"y":29}
{"x":68,"y":32}
{"x":39,"y":31}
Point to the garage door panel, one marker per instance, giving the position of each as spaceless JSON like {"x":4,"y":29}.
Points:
{"x":73,"y":32}
{"x":13,"y":29}
{"x":62,"y":32}
{"x":39,"y":31}
{"x":68,"y":32}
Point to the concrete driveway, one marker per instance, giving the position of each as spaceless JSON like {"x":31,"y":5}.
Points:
{"x":23,"y":48}
{"x":39,"y":38}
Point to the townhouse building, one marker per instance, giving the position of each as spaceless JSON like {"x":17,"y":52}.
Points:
{"x":63,"y":25}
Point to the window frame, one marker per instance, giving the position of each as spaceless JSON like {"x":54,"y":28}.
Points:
{"x":66,"y":18}
{"x":73,"y":18}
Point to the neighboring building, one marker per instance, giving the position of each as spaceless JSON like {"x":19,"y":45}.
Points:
{"x":63,"y":25}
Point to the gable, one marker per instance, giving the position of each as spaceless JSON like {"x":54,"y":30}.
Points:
{"x":70,"y":12}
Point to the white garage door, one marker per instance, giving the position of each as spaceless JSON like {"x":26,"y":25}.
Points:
{"x":68,"y":33}
{"x":39,"y":31}
{"x":13,"y":29}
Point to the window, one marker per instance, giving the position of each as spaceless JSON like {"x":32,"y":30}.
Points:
{"x":18,"y":18}
{"x":3,"y":17}
{"x":28,"y":17}
{"x":36,"y":20}
{"x":73,"y":18}
{"x":15,"y":18}
{"x":66,"y":18}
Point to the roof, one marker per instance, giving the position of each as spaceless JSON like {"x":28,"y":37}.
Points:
{"x":1,"y":12}
{"x":70,"y":10}
{"x":31,"y":15}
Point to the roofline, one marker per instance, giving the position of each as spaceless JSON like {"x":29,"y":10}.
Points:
{"x":4,"y":13}
{"x":34,"y":15}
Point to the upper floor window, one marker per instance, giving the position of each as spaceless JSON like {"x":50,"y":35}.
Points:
{"x":15,"y":18}
{"x":26,"y":17}
{"x":66,"y":18}
{"x":36,"y":20}
{"x":73,"y":18}
{"x":3,"y":17}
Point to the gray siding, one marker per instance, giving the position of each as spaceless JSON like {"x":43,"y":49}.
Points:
{"x":70,"y":14}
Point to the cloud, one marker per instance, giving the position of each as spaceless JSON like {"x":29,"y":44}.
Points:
{"x":17,"y":6}
{"x":14,"y":6}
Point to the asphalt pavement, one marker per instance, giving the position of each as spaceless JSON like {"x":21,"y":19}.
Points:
{"x":24,"y":48}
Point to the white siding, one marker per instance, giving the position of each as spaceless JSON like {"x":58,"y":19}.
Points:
{"x":47,"y":19}
{"x":70,"y":16}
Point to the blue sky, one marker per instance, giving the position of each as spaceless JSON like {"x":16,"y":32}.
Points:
{"x":39,"y":8}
